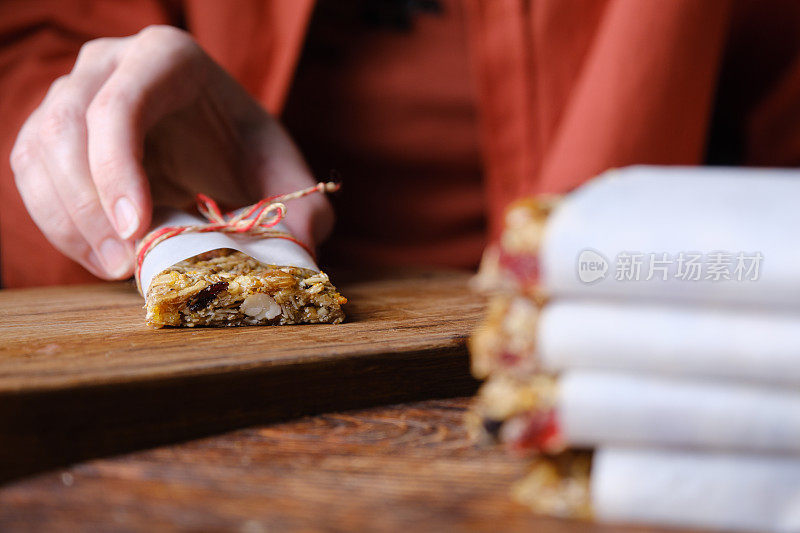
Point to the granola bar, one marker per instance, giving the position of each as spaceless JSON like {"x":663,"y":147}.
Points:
{"x":520,"y":414}
{"x":558,"y":485}
{"x":229,"y":288}
{"x":512,"y":264}
{"x":505,"y":342}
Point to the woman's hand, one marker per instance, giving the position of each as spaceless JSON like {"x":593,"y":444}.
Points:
{"x":150,"y":119}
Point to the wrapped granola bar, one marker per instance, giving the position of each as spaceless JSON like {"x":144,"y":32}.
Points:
{"x":679,"y":488}
{"x":518,"y":338}
{"x":245,"y":269}
{"x":590,"y":408}
{"x":226,"y":287}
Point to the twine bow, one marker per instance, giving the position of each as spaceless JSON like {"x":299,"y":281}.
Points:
{"x":258,"y":220}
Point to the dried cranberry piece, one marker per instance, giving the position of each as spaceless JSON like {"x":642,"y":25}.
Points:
{"x":524,"y":267}
{"x":541,"y":433}
{"x":204,"y":297}
{"x":509,"y":359}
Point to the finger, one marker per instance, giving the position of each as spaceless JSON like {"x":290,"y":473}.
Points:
{"x":46,"y":209}
{"x":156,"y":74}
{"x":283,"y":170}
{"x":62,"y":136}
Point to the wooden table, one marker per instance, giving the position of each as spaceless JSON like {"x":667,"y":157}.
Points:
{"x":398,"y":468}
{"x":82,"y":378}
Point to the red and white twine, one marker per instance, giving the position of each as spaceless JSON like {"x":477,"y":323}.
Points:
{"x":258,"y":220}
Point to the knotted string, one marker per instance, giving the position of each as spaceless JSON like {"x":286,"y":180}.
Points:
{"x":258,"y":220}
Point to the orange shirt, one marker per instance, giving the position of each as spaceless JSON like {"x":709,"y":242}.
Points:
{"x":390,"y":104}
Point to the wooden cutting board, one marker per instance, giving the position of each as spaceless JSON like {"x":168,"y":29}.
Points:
{"x":81,"y":375}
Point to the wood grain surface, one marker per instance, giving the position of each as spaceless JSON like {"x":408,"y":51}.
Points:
{"x":82,"y":376}
{"x":400,"y":468}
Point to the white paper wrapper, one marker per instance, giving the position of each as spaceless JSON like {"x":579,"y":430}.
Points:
{"x":600,"y":408}
{"x":669,"y":210}
{"x":272,"y":251}
{"x":755,"y":346}
{"x":717,"y":491}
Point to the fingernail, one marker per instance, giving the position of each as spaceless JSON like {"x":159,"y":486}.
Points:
{"x":115,"y":257}
{"x":126,"y":219}
{"x":95,"y":263}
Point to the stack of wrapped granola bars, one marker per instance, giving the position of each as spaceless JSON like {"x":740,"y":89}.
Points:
{"x":642,"y":345}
